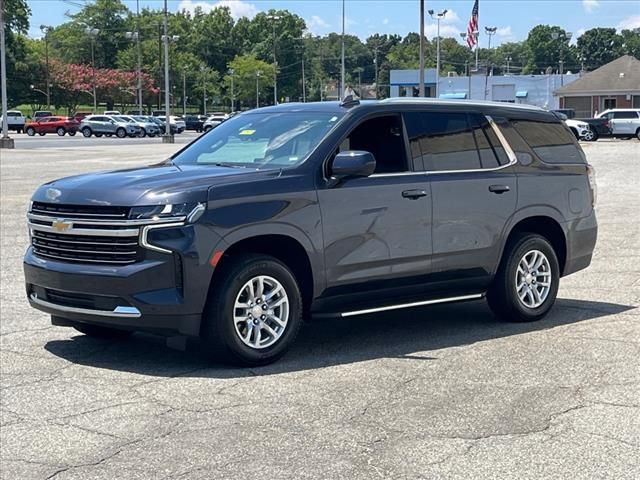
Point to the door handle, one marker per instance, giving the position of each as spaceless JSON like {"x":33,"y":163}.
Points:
{"x":414,"y":194}
{"x":499,"y":189}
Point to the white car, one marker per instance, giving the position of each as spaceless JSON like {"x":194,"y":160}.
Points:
{"x":624,"y":122}
{"x":15,"y":121}
{"x":581,"y":130}
{"x":112,"y":112}
{"x":214,"y":120}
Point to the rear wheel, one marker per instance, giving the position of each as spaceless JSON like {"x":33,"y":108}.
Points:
{"x":98,"y":331}
{"x":254,"y":312}
{"x":42,"y":134}
{"x":31,"y":131}
{"x":121,"y":132}
{"x":86,"y":132}
{"x":590,"y":136}
{"x":72,"y":133}
{"x":98,"y":135}
{"x":526,"y":284}
{"x":638,"y":134}
{"x":61,"y":131}
{"x":143,"y":133}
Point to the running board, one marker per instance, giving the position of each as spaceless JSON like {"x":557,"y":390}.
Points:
{"x":475,"y":296}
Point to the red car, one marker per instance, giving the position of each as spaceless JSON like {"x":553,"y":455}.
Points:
{"x":59,"y":125}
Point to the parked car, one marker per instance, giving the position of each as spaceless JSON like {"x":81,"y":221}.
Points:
{"x":146,"y":127}
{"x":15,"y":121}
{"x":42,"y":114}
{"x":194,"y":122}
{"x":320,"y":209}
{"x":625,"y":122}
{"x":581,"y":130}
{"x":213,"y":121}
{"x":99,"y":125}
{"x":567,"y":112}
{"x":59,"y":125}
{"x":80,"y":115}
{"x":162,"y":125}
{"x":112,"y":112}
{"x":176,"y":122}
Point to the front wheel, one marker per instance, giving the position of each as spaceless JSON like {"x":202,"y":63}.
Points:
{"x":121,"y":132}
{"x":98,"y":135}
{"x":31,"y":131}
{"x":526,"y":284}
{"x":72,"y":133}
{"x":61,"y":131}
{"x":638,"y":134}
{"x":86,"y":132}
{"x":590,"y":136}
{"x":143,"y":133}
{"x":254,"y":312}
{"x":42,"y":134}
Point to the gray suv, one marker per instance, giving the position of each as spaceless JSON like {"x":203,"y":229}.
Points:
{"x":99,"y":125}
{"x":315,"y":210}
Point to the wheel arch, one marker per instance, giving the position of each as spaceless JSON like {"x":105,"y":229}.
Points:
{"x":544,"y":224}
{"x":286,"y":248}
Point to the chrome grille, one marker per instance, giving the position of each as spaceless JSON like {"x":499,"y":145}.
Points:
{"x":85,"y":248}
{"x":98,"y":212}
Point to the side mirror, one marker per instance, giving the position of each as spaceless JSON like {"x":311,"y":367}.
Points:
{"x":353,"y":163}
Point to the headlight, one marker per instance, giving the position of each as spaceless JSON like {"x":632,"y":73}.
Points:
{"x":192,"y":212}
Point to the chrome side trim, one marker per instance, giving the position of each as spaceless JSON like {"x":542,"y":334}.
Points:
{"x":80,"y":260}
{"x":129,"y":232}
{"x":118,"y":312}
{"x":414,"y":304}
{"x":503,"y":141}
{"x":145,"y":231}
{"x":115,"y":223}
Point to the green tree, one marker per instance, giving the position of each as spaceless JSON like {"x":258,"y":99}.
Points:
{"x":546,"y":46}
{"x":599,"y":46}
{"x":631,"y":42}
{"x":246,"y":70}
{"x":16,"y":16}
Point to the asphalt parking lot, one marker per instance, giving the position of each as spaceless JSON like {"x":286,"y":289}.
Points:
{"x":445,"y":392}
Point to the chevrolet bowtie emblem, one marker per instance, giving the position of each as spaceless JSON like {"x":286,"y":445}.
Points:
{"x":61,"y":225}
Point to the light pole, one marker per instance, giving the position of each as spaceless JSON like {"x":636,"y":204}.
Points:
{"x":92,"y":32}
{"x":136,"y":37}
{"x":438,"y":16}
{"x":203,"y":70}
{"x":359,"y":71}
{"x":421,"y":67}
{"x":45,"y":29}
{"x":258,"y":73}
{"x":508,"y":60}
{"x":274,"y":18}
{"x":167,"y":137}
{"x":233,"y":95}
{"x":562,"y":36}
{"x":490,"y":31}
{"x":375,"y":64}
{"x":184,"y":91}
{"x":342,"y":72}
{"x":5,"y":140}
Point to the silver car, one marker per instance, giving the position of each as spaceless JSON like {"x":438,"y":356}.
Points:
{"x":146,"y":127}
{"x":99,"y":125}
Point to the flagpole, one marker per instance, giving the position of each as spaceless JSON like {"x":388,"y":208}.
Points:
{"x":477,"y":35}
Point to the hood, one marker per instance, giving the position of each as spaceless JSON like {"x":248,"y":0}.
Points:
{"x":152,"y":185}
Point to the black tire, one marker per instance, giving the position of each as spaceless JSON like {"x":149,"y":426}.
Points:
{"x":31,"y":131}
{"x":98,"y":331}
{"x":86,"y":132}
{"x":143,"y":133}
{"x":121,"y":132}
{"x":98,"y":135}
{"x":61,"y":131}
{"x":108,"y":134}
{"x":207,"y":128}
{"x":42,"y":134}
{"x":638,"y":134}
{"x":218,"y":330}
{"x":72,"y":133}
{"x":503,"y":297}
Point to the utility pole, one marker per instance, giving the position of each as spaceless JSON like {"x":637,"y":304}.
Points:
{"x":203,"y":70}
{"x":45,"y":29}
{"x":258,"y":73}
{"x":375,"y":62}
{"x":562,"y":36}
{"x":438,"y":16}
{"x":508,"y":59}
{"x":421,"y":73}
{"x":184,"y":91}
{"x":342,"y":72}
{"x":466,"y":68}
{"x":5,"y":140}
{"x":304,"y":86}
{"x":233,"y":96}
{"x":92,"y":32}
{"x":139,"y":52}
{"x":167,"y":137}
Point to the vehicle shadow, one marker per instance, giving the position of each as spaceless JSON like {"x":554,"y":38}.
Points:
{"x":402,"y":334}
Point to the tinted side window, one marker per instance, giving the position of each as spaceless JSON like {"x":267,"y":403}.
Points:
{"x":552,"y":142}
{"x":492,"y":155}
{"x":625,"y":115}
{"x":444,"y":141}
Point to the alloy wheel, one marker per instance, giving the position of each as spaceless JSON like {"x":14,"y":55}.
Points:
{"x":533,"y":279}
{"x":261,"y":312}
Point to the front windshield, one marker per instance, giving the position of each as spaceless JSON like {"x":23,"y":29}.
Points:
{"x":260,"y":140}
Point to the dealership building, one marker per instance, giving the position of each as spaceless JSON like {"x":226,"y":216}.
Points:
{"x":527,"y":89}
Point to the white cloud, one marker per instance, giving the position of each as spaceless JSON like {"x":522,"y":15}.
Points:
{"x":316,"y":24}
{"x":385,"y":21}
{"x":590,"y":5}
{"x":238,"y":8}
{"x":431,"y":31}
{"x":505,"y":31}
{"x":629,"y":23}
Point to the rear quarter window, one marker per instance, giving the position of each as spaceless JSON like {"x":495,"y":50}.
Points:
{"x":551,"y":142}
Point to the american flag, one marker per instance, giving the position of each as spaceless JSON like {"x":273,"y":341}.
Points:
{"x":473,"y":26}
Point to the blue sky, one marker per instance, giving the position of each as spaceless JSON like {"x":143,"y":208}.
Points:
{"x":514,"y":18}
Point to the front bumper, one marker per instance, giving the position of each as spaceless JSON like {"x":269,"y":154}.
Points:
{"x":163,"y":293}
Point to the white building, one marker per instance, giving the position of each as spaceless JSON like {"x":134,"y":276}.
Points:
{"x":530,"y":89}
